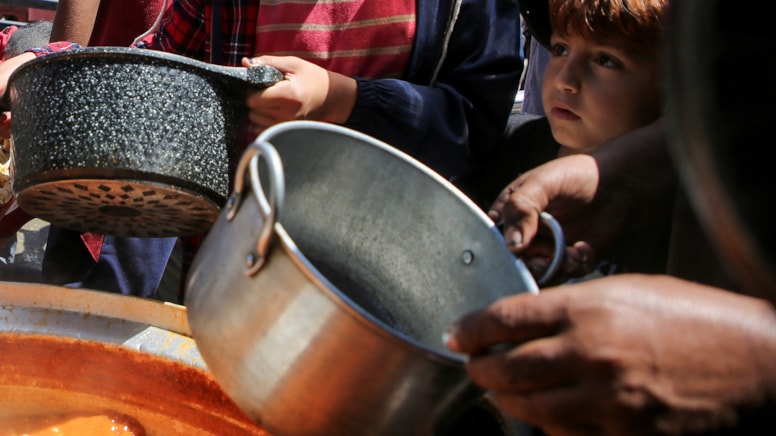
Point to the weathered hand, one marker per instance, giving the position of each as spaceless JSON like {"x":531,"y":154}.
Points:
{"x":566,"y":188}
{"x":624,"y":187}
{"x":626,"y":354}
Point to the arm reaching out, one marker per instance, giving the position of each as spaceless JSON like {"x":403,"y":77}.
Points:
{"x":596,"y":197}
{"x":74,"y":21}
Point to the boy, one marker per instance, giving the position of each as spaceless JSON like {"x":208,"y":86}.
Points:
{"x":603,"y":79}
{"x":604,"y":76}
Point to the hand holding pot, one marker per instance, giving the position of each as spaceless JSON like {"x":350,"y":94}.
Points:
{"x":626,"y":354}
{"x":548,"y":187}
{"x":596,"y":197}
{"x":309,"y":92}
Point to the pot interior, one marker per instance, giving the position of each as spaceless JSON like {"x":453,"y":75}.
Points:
{"x":397,"y":242}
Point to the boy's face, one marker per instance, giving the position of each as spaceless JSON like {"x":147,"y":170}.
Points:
{"x":594,"y":91}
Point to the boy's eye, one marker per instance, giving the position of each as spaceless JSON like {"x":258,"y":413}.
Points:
{"x":607,"y":61}
{"x":559,"y":50}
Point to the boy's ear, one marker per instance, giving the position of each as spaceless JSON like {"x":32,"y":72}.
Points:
{"x":536,"y":14}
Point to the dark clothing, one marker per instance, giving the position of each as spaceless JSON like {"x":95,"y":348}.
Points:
{"x":527,"y":142}
{"x":131,"y":266}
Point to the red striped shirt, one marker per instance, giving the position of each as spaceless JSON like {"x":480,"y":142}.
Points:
{"x":367,"y":38}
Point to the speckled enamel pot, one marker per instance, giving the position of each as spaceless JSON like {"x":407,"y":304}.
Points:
{"x":126,"y":141}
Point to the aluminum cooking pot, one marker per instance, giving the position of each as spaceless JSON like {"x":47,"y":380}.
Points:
{"x":126,"y":141}
{"x":320,"y":296}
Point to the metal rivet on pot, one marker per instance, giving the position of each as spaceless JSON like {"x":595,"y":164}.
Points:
{"x":230,"y":206}
{"x":468,"y":257}
{"x":230,"y":202}
{"x":250,"y":260}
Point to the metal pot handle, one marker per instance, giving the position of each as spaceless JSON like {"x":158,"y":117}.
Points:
{"x":560,"y":247}
{"x":268,"y":207}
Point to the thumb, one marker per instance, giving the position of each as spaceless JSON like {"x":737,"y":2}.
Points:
{"x":513,"y":319}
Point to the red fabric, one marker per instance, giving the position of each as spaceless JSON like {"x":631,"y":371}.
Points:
{"x":118,"y":23}
{"x":53,"y":47}
{"x":93,"y":243}
{"x":5,"y":35}
{"x":364,"y":38}
{"x":12,"y":219}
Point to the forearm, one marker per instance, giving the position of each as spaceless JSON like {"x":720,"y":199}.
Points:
{"x":640,"y":164}
{"x":74,"y":21}
{"x":400,"y":114}
{"x":740,"y":335}
{"x":447,"y":126}
{"x":8,"y":67}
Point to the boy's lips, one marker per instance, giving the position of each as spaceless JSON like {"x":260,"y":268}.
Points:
{"x":562,"y":112}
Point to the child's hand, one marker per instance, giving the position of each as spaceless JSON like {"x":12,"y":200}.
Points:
{"x":309,"y":92}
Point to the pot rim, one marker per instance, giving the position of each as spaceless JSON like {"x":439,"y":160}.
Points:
{"x":164,"y":315}
{"x":228,"y":76}
{"x":144,"y":325}
{"x":143,"y":56}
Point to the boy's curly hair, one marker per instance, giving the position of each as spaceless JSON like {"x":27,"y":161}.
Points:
{"x":641,"y":21}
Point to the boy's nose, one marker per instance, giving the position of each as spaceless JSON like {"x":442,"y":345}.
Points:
{"x":567,"y":77}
